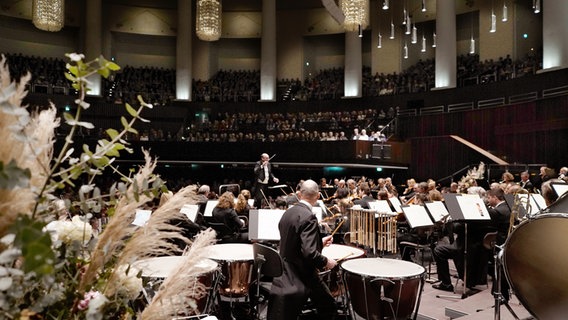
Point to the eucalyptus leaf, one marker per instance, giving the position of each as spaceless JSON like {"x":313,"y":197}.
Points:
{"x":12,"y":176}
{"x":131,"y":110}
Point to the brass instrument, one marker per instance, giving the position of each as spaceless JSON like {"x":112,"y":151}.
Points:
{"x":518,"y":202}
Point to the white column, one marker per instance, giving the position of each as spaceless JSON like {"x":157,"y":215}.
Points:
{"x":446,"y":47}
{"x":93,"y":40}
{"x":554,"y":35}
{"x":183,"y":51}
{"x":268,"y":52}
{"x":353,"y":65}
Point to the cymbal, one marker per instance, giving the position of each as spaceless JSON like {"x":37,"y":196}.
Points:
{"x":278,"y":186}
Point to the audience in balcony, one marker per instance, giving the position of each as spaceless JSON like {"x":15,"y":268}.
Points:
{"x":157,"y":85}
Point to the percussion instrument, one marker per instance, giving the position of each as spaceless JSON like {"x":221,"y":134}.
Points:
{"x":372,"y":229}
{"x":161,"y":267}
{"x":236,"y":260}
{"x":535,"y":264}
{"x":380,"y":288}
{"x":338,"y":253}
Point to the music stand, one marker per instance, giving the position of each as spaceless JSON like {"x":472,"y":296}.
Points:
{"x":418,"y":217}
{"x":263,"y":224}
{"x":466,"y":208}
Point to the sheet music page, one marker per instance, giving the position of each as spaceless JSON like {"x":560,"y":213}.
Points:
{"x":142,"y":216}
{"x":268,"y":224}
{"x":560,"y":188}
{"x":396,"y":204}
{"x":438,"y":210}
{"x":250,"y":202}
{"x":209,"y":208}
{"x":473,"y":207}
{"x":539,"y":200}
{"x":417,"y":216}
{"x":381,"y":206}
{"x":190,"y":211}
{"x":317,"y":212}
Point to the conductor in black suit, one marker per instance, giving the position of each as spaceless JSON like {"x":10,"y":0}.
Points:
{"x":300,"y":248}
{"x":263,"y":175}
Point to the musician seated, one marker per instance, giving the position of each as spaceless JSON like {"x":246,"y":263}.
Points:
{"x":225,"y":213}
{"x":366,"y":197}
{"x":477,"y":256}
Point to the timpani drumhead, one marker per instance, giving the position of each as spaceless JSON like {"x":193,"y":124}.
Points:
{"x":536,"y":265}
{"x":161,"y":267}
{"x":343,"y":252}
{"x":385,"y":268}
{"x":230,"y":252}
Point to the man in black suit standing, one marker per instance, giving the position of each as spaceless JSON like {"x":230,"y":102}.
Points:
{"x":263,"y":175}
{"x":300,"y":248}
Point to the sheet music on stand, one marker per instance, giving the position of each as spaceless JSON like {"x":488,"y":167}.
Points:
{"x":469,"y":207}
{"x":209,"y":208}
{"x":417,"y":216}
{"x":560,"y":188}
{"x":263,"y":224}
{"x":397,"y":205}
{"x":538,"y":200}
{"x":437,"y":210}
{"x":524,"y":201}
{"x":190,"y":211}
{"x":381,"y":206}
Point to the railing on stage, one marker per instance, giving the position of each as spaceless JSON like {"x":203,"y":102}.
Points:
{"x":372,"y":229}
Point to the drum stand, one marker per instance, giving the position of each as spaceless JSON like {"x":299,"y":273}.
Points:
{"x":498,"y":255}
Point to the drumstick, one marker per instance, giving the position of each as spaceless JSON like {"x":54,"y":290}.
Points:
{"x":337,"y":228}
{"x":343,"y":258}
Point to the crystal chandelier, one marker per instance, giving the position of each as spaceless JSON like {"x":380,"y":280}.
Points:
{"x":208,"y":20}
{"x":48,"y":15}
{"x":356,"y":14}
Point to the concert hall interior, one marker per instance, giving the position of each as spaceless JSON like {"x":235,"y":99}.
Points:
{"x":181,"y":135}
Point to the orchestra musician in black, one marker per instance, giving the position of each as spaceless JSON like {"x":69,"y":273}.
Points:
{"x":301,"y":244}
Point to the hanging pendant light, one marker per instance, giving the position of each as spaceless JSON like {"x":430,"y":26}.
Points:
{"x":493,"y":22}
{"x":356,"y":14}
{"x":414,"y":37}
{"x":423,"y":5}
{"x":505,"y":16}
{"x":392,"y":30}
{"x":434,"y":40}
{"x":405,"y":50}
{"x":385,"y":4}
{"x":536,"y":6}
{"x":48,"y":15}
{"x":408,"y":25}
{"x":380,"y":41}
{"x":208,"y":20}
{"x":423,"y":44}
{"x":472,"y":45}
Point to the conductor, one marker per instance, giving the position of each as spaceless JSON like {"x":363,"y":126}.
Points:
{"x":263,"y":174}
{"x":300,"y":248}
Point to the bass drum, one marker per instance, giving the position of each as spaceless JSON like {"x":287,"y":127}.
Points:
{"x":536,"y":265}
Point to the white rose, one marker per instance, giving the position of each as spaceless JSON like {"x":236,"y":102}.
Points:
{"x":76,"y":230}
{"x":129,"y":284}
{"x":96,"y":302}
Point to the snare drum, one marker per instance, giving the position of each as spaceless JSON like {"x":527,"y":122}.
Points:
{"x":161,"y":267}
{"x":535,"y":264}
{"x":236,"y":261}
{"x":383,"y":288}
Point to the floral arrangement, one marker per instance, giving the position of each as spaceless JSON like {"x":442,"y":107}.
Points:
{"x":53,"y":267}
{"x":475,"y":173}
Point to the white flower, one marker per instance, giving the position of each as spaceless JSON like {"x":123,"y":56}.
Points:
{"x":129,"y":284}
{"x":96,"y":302}
{"x":69,"y":231}
{"x":76,"y":56}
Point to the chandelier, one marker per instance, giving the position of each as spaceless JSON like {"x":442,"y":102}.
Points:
{"x":356,"y":14}
{"x":48,"y":15}
{"x":208,"y":20}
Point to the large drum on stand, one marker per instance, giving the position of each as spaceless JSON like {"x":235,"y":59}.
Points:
{"x":339,"y":253}
{"x":536,"y":264}
{"x":383,"y":288}
{"x":237,"y":261}
{"x":156,"y":269}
